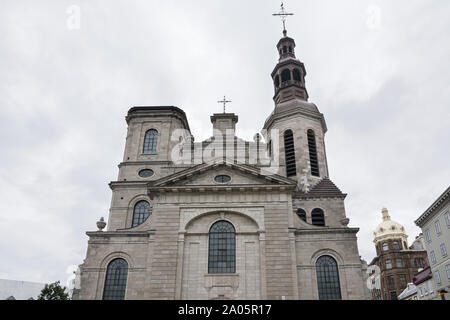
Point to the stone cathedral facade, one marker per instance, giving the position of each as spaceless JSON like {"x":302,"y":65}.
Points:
{"x":226,"y":218}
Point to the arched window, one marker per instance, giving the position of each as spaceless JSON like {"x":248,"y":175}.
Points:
{"x":222,"y":248}
{"x":284,"y":49}
{"x":141,"y":212}
{"x":277,"y":81}
{"x":289,"y":152}
{"x":297,"y":75}
{"x":285,"y":75}
{"x":385,"y":246}
{"x":290,"y":49}
{"x":313,"y":153}
{"x":328,"y":278}
{"x":116,"y":280}
{"x":269,"y":147}
{"x":396,"y":245}
{"x":301,"y":214}
{"x":318,"y":217}
{"x":150,"y":141}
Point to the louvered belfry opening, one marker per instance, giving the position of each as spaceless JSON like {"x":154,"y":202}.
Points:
{"x":318,"y":217}
{"x":289,"y":152}
{"x":301,"y":214}
{"x":313,"y":154}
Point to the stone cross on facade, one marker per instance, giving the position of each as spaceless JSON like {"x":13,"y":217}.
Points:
{"x":224,"y":101}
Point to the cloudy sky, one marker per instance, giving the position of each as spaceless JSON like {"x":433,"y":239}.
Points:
{"x":70,"y":70}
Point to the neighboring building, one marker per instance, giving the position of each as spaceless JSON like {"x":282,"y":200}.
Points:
{"x":397,"y":262}
{"x":435,"y":225}
{"x":410,"y":292}
{"x":224,"y":226}
{"x":418,"y":243}
{"x":423,"y":281}
{"x":19,"y":290}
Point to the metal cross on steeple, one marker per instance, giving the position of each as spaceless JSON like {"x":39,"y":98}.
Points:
{"x":283,"y":14}
{"x":224,"y":101}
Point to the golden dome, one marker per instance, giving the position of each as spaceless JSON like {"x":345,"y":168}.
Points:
{"x":389,"y":229}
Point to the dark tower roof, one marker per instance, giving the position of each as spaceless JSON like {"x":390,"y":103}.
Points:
{"x":325,"y":188}
{"x":289,"y":73}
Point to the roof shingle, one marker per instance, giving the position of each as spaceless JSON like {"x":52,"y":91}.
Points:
{"x":325,"y":188}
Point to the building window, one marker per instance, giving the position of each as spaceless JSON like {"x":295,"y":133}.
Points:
{"x":443,"y":250}
{"x":395,"y":245}
{"x":269,"y":146}
{"x":437,"y":275}
{"x":385,"y":246}
{"x":222,"y":179}
{"x":313,"y":160}
{"x":146,"y":173}
{"x":289,"y":151}
{"x":447,"y":219}
{"x":301,"y":214}
{"x":285,"y":75}
{"x":399,"y":263}
{"x":432,"y":257}
{"x":140,"y":213}
{"x":222,"y":248}
{"x":388,"y":264}
{"x":437,"y":225}
{"x":402,"y":280}
{"x":427,"y":235}
{"x":447,"y":268}
{"x":318,"y":217}
{"x":277,"y":81}
{"x":391,"y":282}
{"x":150,"y":141}
{"x":297,"y":75}
{"x":328,"y":278}
{"x":116,"y":280}
{"x":419,"y":263}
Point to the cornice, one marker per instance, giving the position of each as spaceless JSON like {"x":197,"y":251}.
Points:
{"x":127,"y":184}
{"x":108,"y":234}
{"x":154,"y":191}
{"x":149,"y":111}
{"x":298,"y":110}
{"x":139,"y":163}
{"x":325,"y":230}
{"x":440,"y":202}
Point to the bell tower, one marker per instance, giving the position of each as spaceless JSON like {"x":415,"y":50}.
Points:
{"x":297,"y":123}
{"x":289,"y":73}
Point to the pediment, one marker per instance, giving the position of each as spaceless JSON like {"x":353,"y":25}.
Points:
{"x":203,"y":176}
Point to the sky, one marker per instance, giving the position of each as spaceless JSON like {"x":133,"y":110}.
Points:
{"x":378,"y":70}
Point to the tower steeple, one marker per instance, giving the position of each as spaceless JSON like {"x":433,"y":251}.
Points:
{"x":289,"y":74}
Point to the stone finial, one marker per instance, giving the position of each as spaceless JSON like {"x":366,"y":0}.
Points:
{"x":101,"y":224}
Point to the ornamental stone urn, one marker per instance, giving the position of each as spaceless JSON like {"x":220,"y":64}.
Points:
{"x":101,"y":224}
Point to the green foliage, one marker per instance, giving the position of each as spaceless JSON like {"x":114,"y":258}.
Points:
{"x":54,"y":291}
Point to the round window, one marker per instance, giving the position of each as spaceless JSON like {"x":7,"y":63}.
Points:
{"x":222,"y":179}
{"x":146,"y":173}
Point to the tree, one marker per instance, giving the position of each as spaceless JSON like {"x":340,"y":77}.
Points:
{"x":54,"y":291}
